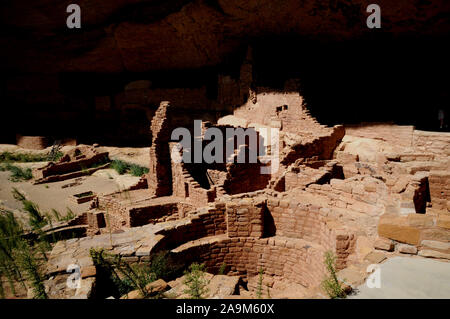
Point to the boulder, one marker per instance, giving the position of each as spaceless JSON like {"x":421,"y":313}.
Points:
{"x":222,"y":286}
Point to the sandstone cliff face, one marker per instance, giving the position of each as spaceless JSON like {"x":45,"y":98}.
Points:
{"x":142,"y":35}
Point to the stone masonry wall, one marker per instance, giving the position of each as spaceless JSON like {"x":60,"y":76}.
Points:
{"x":159,"y":176}
{"x":185,"y":186}
{"x":206,"y":223}
{"x":292,"y":259}
{"x":32,"y":142}
{"x":292,"y":219}
{"x":432,"y":142}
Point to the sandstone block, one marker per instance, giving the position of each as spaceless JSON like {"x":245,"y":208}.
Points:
{"x":351,"y":277}
{"x":436,"y":234}
{"x":433,"y":254}
{"x":435,"y":244}
{"x":407,"y":249}
{"x":363,"y":247}
{"x":396,"y":228}
{"x":443,"y":221}
{"x":384,"y":244}
{"x":375,"y":257}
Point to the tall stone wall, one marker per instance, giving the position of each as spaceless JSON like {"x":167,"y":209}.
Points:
{"x":160,"y":175}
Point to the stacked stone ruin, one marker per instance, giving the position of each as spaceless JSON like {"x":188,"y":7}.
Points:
{"x":327,"y":195}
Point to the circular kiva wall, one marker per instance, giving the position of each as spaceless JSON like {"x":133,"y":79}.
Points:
{"x":285,"y":239}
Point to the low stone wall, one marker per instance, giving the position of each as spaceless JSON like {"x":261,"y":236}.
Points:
{"x":206,"y":223}
{"x":32,"y":142}
{"x":432,"y":142}
{"x":293,"y":259}
{"x":68,"y":167}
{"x":121,"y":211}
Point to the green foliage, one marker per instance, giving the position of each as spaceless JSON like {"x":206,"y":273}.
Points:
{"x":17,"y":173}
{"x":126,"y":277}
{"x":260,"y":284}
{"x":18,"y":195}
{"x":54,"y":156}
{"x":222,"y":268}
{"x":69,"y":215}
{"x":122,"y":167}
{"x":331,"y":284}
{"x":56,"y":214}
{"x":9,"y":157}
{"x":164,"y":267}
{"x":36,"y":218}
{"x":195,"y":281}
{"x":137,"y":170}
{"x":18,"y":256}
{"x":25,"y":256}
{"x":58,"y":217}
{"x":10,"y":237}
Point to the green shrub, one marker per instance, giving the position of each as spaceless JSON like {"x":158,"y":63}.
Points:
{"x":164,"y":267}
{"x":9,"y":157}
{"x":195,"y":281}
{"x":17,"y":173}
{"x":137,"y":170}
{"x":122,"y":167}
{"x":260,"y":284}
{"x":54,"y":156}
{"x":69,"y":215}
{"x":18,"y":256}
{"x":25,"y":256}
{"x":331,"y":284}
{"x":223,"y":268}
{"x":36,"y":219}
{"x":132,"y":277}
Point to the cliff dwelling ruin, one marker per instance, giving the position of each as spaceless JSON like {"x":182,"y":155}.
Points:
{"x":347,"y":155}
